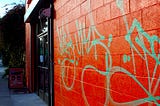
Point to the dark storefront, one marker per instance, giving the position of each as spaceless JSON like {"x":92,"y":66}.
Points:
{"x":38,"y":15}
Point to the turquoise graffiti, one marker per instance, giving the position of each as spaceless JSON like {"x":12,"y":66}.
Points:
{"x":82,"y":43}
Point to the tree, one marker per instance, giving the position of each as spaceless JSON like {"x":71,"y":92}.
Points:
{"x":13,"y":28}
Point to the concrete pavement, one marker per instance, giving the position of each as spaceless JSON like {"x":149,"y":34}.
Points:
{"x":5,"y":98}
{"x":9,"y":98}
{"x":27,"y":100}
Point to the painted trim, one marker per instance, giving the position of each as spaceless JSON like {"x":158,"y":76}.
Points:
{"x":28,"y":1}
{"x":30,"y":10}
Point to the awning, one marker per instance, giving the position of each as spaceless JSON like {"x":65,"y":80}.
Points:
{"x":31,"y":9}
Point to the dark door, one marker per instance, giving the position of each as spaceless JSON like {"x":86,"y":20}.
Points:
{"x":43,"y":63}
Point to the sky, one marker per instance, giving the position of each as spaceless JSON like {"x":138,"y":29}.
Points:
{"x":6,"y":5}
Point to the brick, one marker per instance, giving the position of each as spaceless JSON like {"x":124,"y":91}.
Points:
{"x":67,"y":101}
{"x":73,"y":39}
{"x":119,"y":46}
{"x":61,"y":12}
{"x":151,"y":17}
{"x":89,"y":89}
{"x":59,"y":22}
{"x":138,"y":66}
{"x":78,"y":2}
{"x":100,"y":94}
{"x":121,"y":98}
{"x":107,"y":1}
{"x":69,"y":17}
{"x":116,"y":60}
{"x":101,"y":80}
{"x":72,"y":27}
{"x":157,"y":90}
{"x":151,"y":66}
{"x":88,"y":60}
{"x":56,"y":41}
{"x":75,"y":99}
{"x":101,"y":30}
{"x":57,"y":4}
{"x":92,"y":101}
{"x":96,"y":4}
{"x":67,"y":7}
{"x":94,"y":51}
{"x":91,"y":19}
{"x":158,"y":34}
{"x":65,"y":19}
{"x":146,"y":41}
{"x":121,"y":84}
{"x":85,"y":8}
{"x":63,"y":2}
{"x":137,"y":4}
{"x":152,"y":2}
{"x":107,"y":20}
{"x":130,"y":18}
{"x":57,"y":79}
{"x":77,"y":86}
{"x":137,"y":47}
{"x":79,"y":49}
{"x":128,"y":64}
{"x":103,"y":14}
{"x":78,"y":73}
{"x":126,"y":6}
{"x":70,"y":80}
{"x":112,"y":27}
{"x":140,"y":4}
{"x":136,"y":87}
{"x":54,"y":21}
{"x":101,"y":50}
{"x":82,"y":21}
{"x":74,"y":14}
{"x":57,"y":67}
{"x":79,"y":62}
{"x":156,"y":43}
{"x":57,"y":87}
{"x":73,"y":3}
{"x":116,"y":12}
{"x":56,"y":49}
{"x":57,"y":99}
{"x":101,"y":63}
{"x":88,"y":37}
{"x":154,"y":86}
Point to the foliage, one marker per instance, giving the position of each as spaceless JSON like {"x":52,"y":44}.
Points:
{"x":13,"y":29}
{"x":5,"y":57}
{"x":6,"y":73}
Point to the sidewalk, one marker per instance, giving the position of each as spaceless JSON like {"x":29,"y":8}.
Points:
{"x":9,"y":98}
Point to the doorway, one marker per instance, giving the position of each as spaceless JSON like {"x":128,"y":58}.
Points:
{"x":42,"y":62}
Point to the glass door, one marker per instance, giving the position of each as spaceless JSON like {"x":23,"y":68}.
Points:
{"x":43,"y":63}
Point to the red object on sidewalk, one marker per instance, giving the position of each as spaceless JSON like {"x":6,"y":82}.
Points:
{"x":16,"y":78}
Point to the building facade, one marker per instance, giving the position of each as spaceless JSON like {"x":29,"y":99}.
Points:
{"x":106,"y":52}
{"x":38,"y":19}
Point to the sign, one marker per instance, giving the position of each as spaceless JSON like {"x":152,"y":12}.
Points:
{"x":16,"y":78}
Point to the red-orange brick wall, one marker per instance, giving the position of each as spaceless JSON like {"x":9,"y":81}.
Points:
{"x":107,"y":52}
